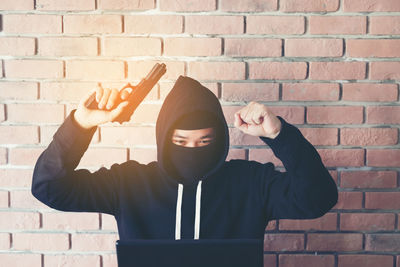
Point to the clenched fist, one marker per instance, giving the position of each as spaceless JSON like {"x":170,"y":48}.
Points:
{"x":256,"y":119}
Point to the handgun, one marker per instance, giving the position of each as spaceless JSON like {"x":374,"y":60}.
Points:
{"x":139,"y":92}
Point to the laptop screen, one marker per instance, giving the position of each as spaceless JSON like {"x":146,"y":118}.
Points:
{"x":190,"y":253}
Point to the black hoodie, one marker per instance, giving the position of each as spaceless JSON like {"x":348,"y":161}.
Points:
{"x":235,"y":199}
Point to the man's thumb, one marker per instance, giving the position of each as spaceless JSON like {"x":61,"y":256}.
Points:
{"x":118,"y":110}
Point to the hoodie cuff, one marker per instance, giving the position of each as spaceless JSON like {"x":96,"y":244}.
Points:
{"x":281,"y":137}
{"x":70,"y":133}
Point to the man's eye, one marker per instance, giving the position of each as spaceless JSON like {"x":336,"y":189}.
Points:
{"x":179,"y":141}
{"x":206,"y":141}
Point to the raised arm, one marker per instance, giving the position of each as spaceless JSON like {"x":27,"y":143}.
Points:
{"x":306,"y":190}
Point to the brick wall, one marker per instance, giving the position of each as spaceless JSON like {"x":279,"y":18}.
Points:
{"x":330,"y":67}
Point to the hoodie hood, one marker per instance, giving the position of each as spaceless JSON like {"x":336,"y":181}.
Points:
{"x":188,"y":95}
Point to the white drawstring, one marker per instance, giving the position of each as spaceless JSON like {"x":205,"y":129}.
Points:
{"x":178,"y":212}
{"x":197,"y":217}
{"x":197,"y":212}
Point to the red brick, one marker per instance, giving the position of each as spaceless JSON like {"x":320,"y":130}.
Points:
{"x":253,"y":47}
{"x":368,"y":179}
{"x":369,"y":92}
{"x":367,"y":221}
{"x":271,"y":226}
{"x":128,"y":135}
{"x":18,"y":91}
{"x":40,"y":241}
{"x":67,"y":46}
{"x":35,"y":113}
{"x":287,"y":260}
{"x":116,"y":46}
{"x":383,"y":157}
{"x":23,"y":199}
{"x":337,"y":70}
{"x":16,"y":5}
{"x":126,"y":5}
{"x":70,"y":5}
{"x":382,"y":200}
{"x":146,"y":24}
{"x":108,"y":222}
{"x":248,"y":5}
{"x":211,"y":24}
{"x":143,"y":155}
{"x":19,"y":134}
{"x":287,"y":242}
{"x":269,"y":260}
{"x":137,"y":70}
{"x":3,"y":156}
{"x":24,"y":156}
{"x":70,"y":221}
{"x":384,"y":25}
{"x":31,"y":68}
{"x":365,"y":260}
{"x":382,"y":242}
{"x":31,"y":23}
{"x":65,"y":91}
{"x":334,"y":242}
{"x":313,"y":47}
{"x":19,"y":220}
{"x":309,"y":6}
{"x":310,"y":91}
{"x":370,"y":5}
{"x":184,"y":5}
{"x":217,"y":70}
{"x":165,"y":88}
{"x":19,"y":259}
{"x":15,"y":177}
{"x":4,"y":241}
{"x":95,"y":69}
{"x":342,"y":157}
{"x":368,"y":136}
{"x":337,"y":25}
{"x":92,"y":24}
{"x":183,"y":46}
{"x":335,"y":114}
{"x":250,"y":92}
{"x":17,"y":46}
{"x":237,"y":137}
{"x":383,"y":114}
{"x":278,"y":70}
{"x":367,"y":48}
{"x":349,"y":200}
{"x":321,"y":136}
{"x":103,"y":157}
{"x":71,"y":260}
{"x":109,"y":260}
{"x":4,"y":199}
{"x":275,"y":25}
{"x":384,"y":70}
{"x":93,"y":242}
{"x":324,"y":223}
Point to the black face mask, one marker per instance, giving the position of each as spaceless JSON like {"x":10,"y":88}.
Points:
{"x":191,"y":163}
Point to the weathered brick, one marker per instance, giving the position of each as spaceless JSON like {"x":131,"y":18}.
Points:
{"x":384,"y":70}
{"x":31,"y":23}
{"x":250,"y":91}
{"x":40,"y":241}
{"x":70,"y":221}
{"x":214,"y":24}
{"x":146,"y":24}
{"x":126,"y":5}
{"x":33,"y":68}
{"x":97,"y":242}
{"x":309,"y":6}
{"x":365,"y":260}
{"x":287,"y":242}
{"x":324,"y":223}
{"x":368,"y":136}
{"x":253,"y":47}
{"x":313,"y":47}
{"x":19,"y":134}
{"x":256,"y":24}
{"x":95,"y":69}
{"x":278,"y":70}
{"x":368,"y":179}
{"x":383,"y":114}
{"x":337,"y":25}
{"x":367,"y":221}
{"x":382,"y":200}
{"x":217,"y":70}
{"x":370,"y":5}
{"x":185,"y":5}
{"x":342,"y":157}
{"x":16,"y":5}
{"x":349,"y":200}
{"x":17,"y":46}
{"x":337,"y":70}
{"x":67,"y":46}
{"x":18,"y":91}
{"x":335,"y":114}
{"x":248,"y":5}
{"x":334,"y":241}
{"x":70,"y":5}
{"x":183,"y":46}
{"x":71,"y":260}
{"x":35,"y":113}
{"x":92,"y":24}
{"x":18,"y":220}
{"x":366,"y":48}
{"x":375,"y":92}
{"x":126,"y":46}
{"x":287,"y":260}
{"x":310,"y":91}
{"x":382,"y":242}
{"x":384,"y":25}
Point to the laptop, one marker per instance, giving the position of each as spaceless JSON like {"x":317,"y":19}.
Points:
{"x":190,"y":253}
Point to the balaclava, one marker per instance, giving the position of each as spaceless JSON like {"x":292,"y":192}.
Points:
{"x":189,"y":164}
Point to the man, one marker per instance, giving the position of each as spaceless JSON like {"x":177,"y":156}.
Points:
{"x":190,"y":191}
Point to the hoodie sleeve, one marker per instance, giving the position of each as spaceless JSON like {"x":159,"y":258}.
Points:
{"x":57,"y":184}
{"x":306,"y":190}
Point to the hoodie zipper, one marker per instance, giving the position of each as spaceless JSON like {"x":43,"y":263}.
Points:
{"x":179,"y":210}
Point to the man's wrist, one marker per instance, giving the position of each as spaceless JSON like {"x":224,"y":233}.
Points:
{"x":77,"y":119}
